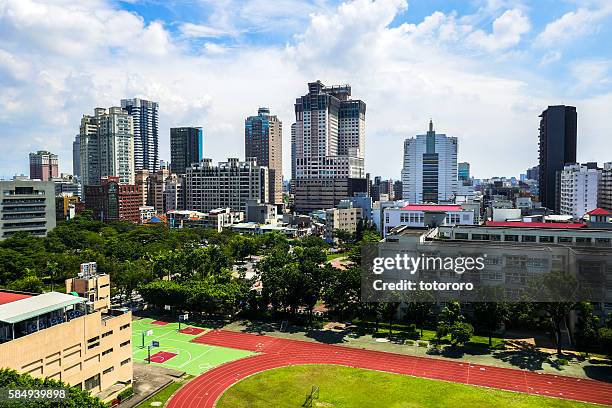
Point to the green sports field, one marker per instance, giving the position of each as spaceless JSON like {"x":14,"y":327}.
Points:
{"x":344,"y":387}
{"x":193,"y":358}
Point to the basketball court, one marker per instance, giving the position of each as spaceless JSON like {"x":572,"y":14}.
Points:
{"x":176,"y":349}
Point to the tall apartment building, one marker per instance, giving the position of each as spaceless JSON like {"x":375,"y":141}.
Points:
{"x":157,"y":183}
{"x":228,"y":184}
{"x":107,"y":146}
{"x":111,"y":201}
{"x":557,"y":148}
{"x":185,"y":148}
{"x":43,"y":166}
{"x":604,"y":194}
{"x":329,"y":145}
{"x":142,"y":181}
{"x":263,"y":140}
{"x":578,"y":190}
{"x":76,"y":337}
{"x":174,"y":193}
{"x":76,"y":156}
{"x":145,"y":115}
{"x":429,"y":174}
{"x":26,"y":206}
{"x":293,"y":152}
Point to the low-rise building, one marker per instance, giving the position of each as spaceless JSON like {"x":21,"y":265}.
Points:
{"x":260,"y":213}
{"x":26,"y":206}
{"x":146,"y":213}
{"x":76,"y":337}
{"x":345,"y":218}
{"x":426,"y":215}
{"x":218,"y":218}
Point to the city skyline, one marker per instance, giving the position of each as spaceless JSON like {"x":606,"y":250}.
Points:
{"x":402,"y":59}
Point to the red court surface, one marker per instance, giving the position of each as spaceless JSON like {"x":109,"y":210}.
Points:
{"x":194,"y":331}
{"x":161,"y":357}
{"x":159,"y":322}
{"x":206,"y":389}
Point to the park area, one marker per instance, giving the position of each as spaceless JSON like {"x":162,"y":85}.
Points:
{"x":343,"y":387}
{"x":176,"y":349}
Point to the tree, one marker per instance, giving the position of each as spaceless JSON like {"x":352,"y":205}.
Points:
{"x":75,"y":397}
{"x":342,"y":291}
{"x":461,"y":333}
{"x":344,"y":238}
{"x":418,"y":310}
{"x":586,"y":333}
{"x":132,"y":274}
{"x":605,"y":338}
{"x":450,"y":315}
{"x":28,"y":284}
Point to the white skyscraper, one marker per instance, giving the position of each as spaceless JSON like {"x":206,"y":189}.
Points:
{"x":145,"y":115}
{"x":429,"y":174}
{"x":107,"y":146}
{"x":578,"y":190}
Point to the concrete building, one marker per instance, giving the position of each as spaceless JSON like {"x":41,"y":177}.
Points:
{"x":329,"y":144}
{"x":604,"y":194}
{"x":174,"y":193}
{"x":228,"y":184}
{"x":260,"y":213}
{"x":145,"y":117}
{"x":146,"y":213}
{"x":67,"y":206}
{"x":26,"y":206}
{"x":558,"y":139}
{"x":107,"y":146}
{"x":429,"y":174}
{"x":363,"y":201}
{"x":142,"y":180}
{"x":218,"y":218}
{"x":157,"y":185}
{"x":76,"y":156}
{"x":578,"y":190}
{"x":67,"y":184}
{"x":185,"y":148}
{"x":263,"y":140}
{"x":425,"y":216}
{"x":111,"y":201}
{"x":76,"y":338}
{"x":43,"y":166}
{"x":345,"y":218}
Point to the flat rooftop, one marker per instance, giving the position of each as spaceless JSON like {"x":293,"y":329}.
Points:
{"x":432,"y":207}
{"x":23,"y":309}
{"x":557,"y":225}
{"x":8,"y":297}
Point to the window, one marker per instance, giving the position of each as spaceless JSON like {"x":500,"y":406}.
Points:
{"x":108,"y":370}
{"x":93,"y":345}
{"x":125,"y":326}
{"x":495,"y":237}
{"x":125,"y":343}
{"x":105,"y":352}
{"x":528,"y":238}
{"x":461,"y":235}
{"x":511,"y":238}
{"x":547,"y":239}
{"x":564,"y":239}
{"x":92,"y":382}
{"x":108,"y":333}
{"x":126,"y":361}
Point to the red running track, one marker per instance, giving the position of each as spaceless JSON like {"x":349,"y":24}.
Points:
{"x":205,"y":390}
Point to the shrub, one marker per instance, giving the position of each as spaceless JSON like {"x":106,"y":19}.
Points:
{"x":128,"y":392}
{"x":410,"y":342}
{"x":562,"y":362}
{"x":422,"y":344}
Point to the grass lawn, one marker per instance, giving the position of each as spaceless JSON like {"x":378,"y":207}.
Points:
{"x":346,"y":387}
{"x":164,"y":395}
{"x":331,"y":256}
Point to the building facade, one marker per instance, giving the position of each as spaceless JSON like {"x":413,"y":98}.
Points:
{"x":463,"y":171}
{"x":604,"y":195}
{"x":26,"y":206}
{"x":263,"y":140}
{"x":76,"y":156}
{"x":425,"y":216}
{"x":558,"y":137}
{"x":578,"y":190}
{"x":185,"y":148}
{"x":429,"y":174}
{"x":75,"y":338}
{"x":228,"y":184}
{"x":107,"y":146}
{"x":344,"y":218}
{"x":145,"y":117}
{"x":112,"y":201}
{"x":43,"y":166}
{"x":329,"y":145}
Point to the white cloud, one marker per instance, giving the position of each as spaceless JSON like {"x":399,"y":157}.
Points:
{"x":551,"y":57}
{"x":191,"y":30}
{"x":507,"y":32}
{"x":60,"y":60}
{"x":573,"y":24}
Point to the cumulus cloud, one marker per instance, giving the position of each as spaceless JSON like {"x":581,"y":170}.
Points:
{"x":60,"y":60}
{"x":573,"y":25}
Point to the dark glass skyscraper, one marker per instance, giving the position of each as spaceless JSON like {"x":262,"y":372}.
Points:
{"x":558,"y":137}
{"x":185,"y":148}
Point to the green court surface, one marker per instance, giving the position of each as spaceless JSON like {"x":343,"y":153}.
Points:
{"x":193,"y":358}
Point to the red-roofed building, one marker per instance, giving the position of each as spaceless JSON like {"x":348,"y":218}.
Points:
{"x":520,"y":224}
{"x":8,"y":297}
{"x":599,"y":218}
{"x":426,"y":215}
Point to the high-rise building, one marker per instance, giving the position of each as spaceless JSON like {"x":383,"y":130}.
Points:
{"x":397,"y":190}
{"x":263,"y":140}
{"x":111,"y":201}
{"x":145,"y":115}
{"x":107,"y":146}
{"x":43,"y":166}
{"x":142,"y":180}
{"x":329,"y":147}
{"x":557,"y":149}
{"x":578,"y":190}
{"x":157,"y":183}
{"x":76,"y":156}
{"x":463,"y":171}
{"x":229,"y":184}
{"x":429,"y":174}
{"x":533,"y":173}
{"x":185,"y":148}
{"x":174,"y":193}
{"x":604,"y":194}
{"x":27,"y":206}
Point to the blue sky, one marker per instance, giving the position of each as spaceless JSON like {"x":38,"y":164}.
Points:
{"x":482,"y":69}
